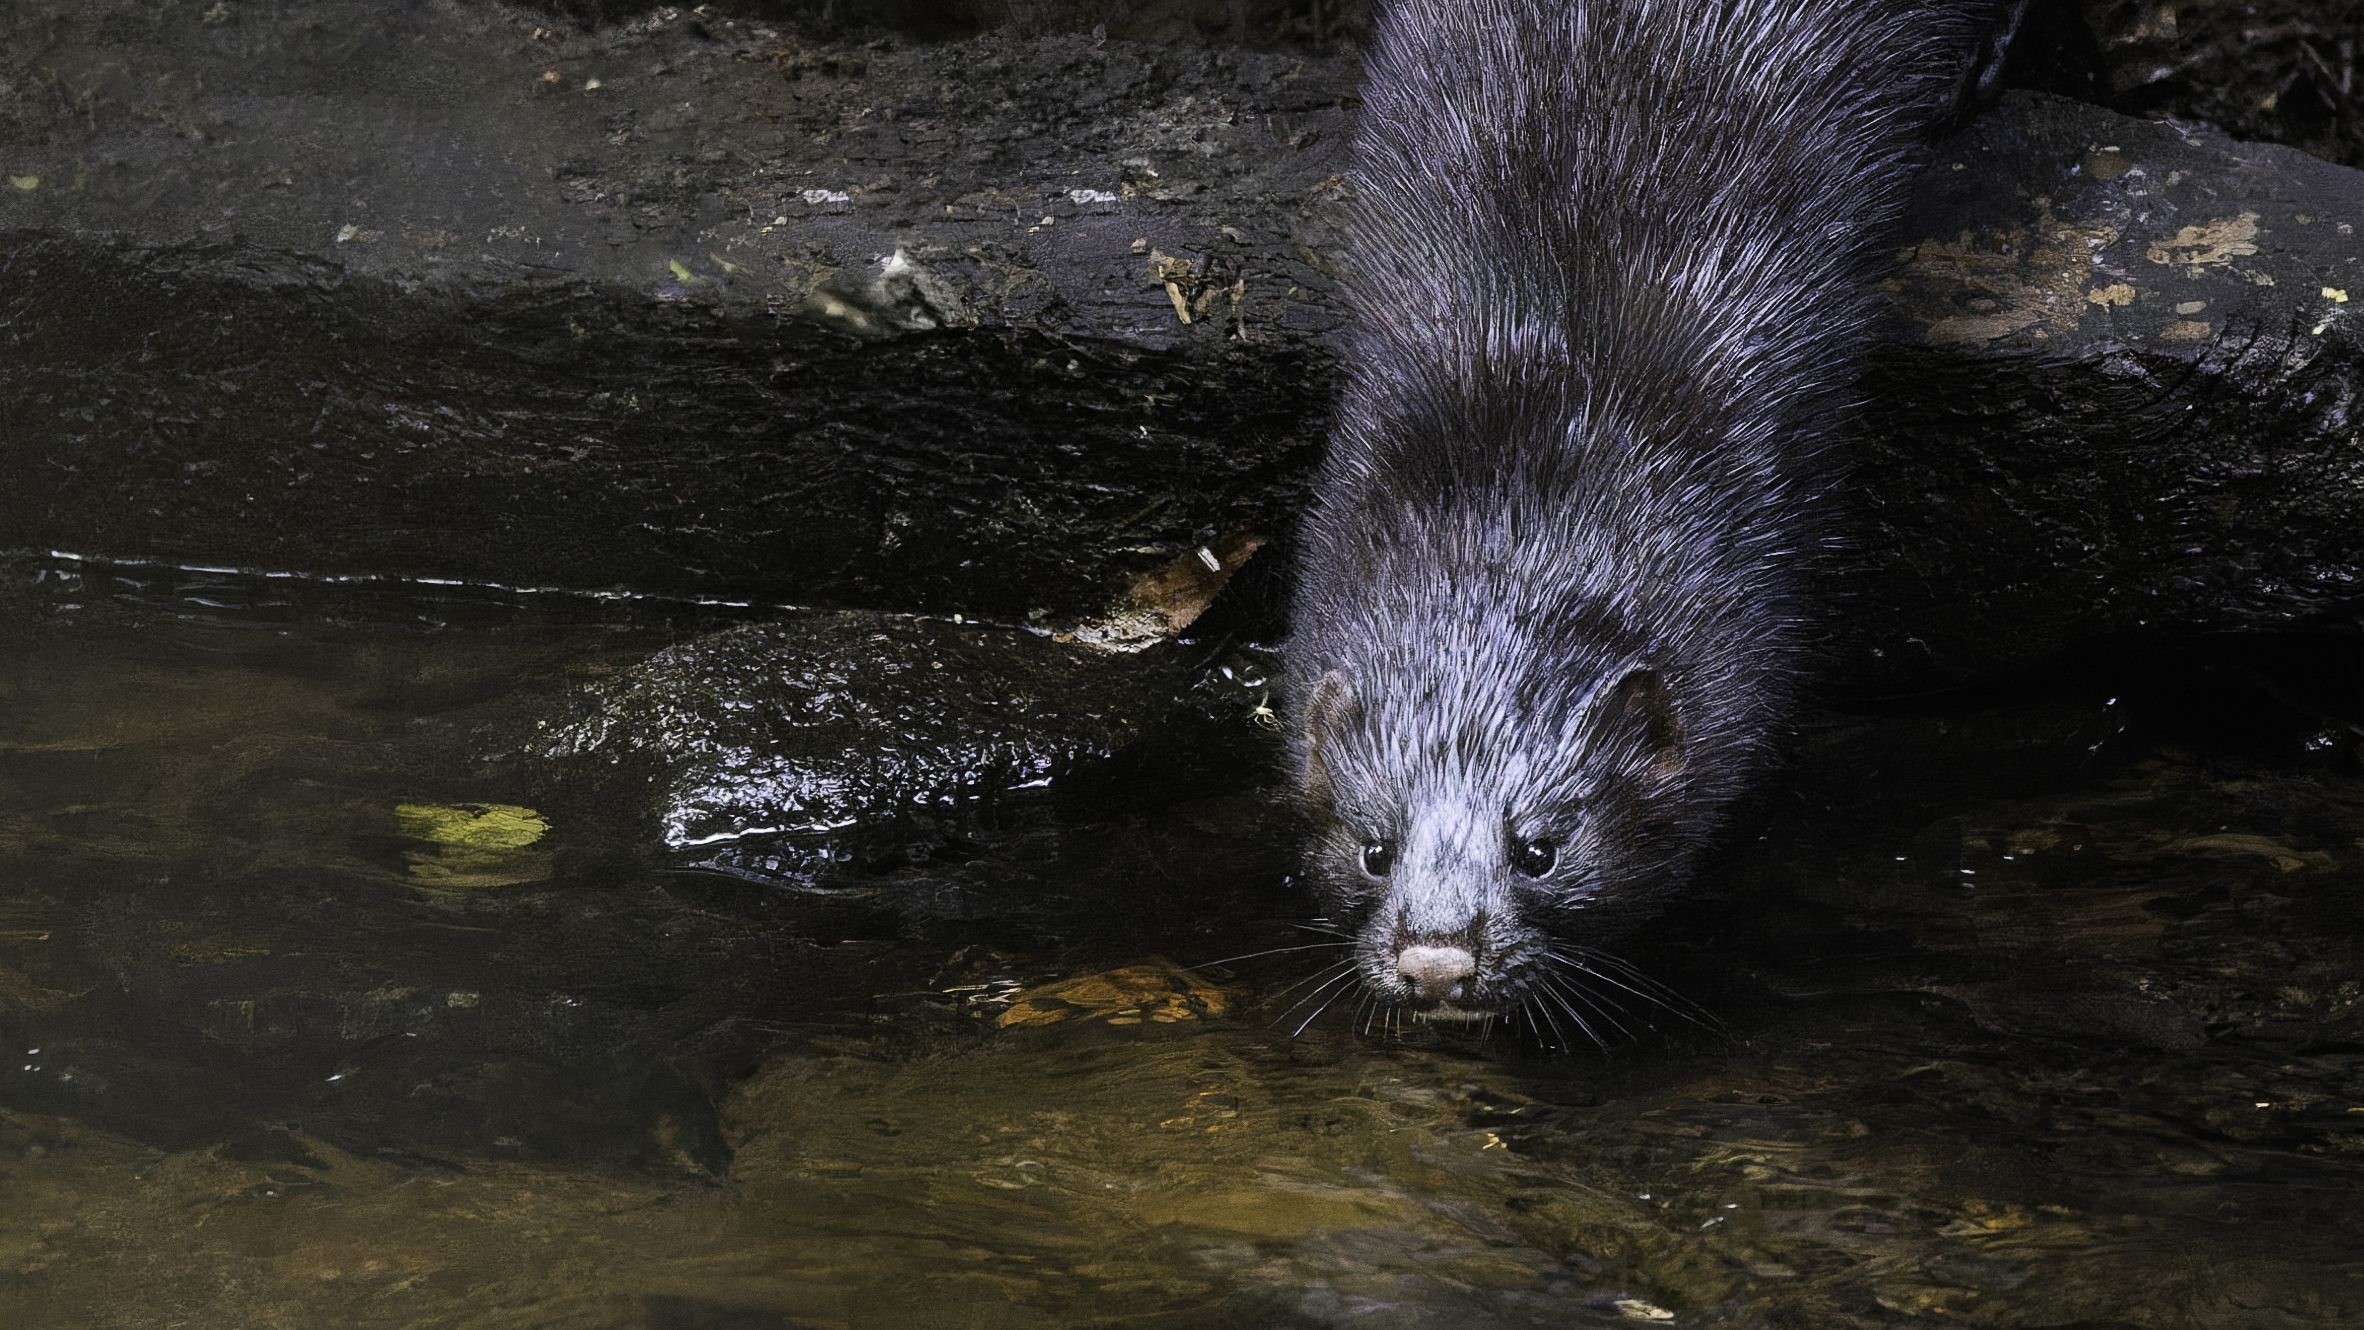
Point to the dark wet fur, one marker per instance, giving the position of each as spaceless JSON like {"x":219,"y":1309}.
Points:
{"x":1613,"y":271}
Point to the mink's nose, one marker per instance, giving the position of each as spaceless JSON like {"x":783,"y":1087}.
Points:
{"x":1435,"y":971}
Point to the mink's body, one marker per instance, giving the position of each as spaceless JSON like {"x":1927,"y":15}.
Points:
{"x":1613,"y":274}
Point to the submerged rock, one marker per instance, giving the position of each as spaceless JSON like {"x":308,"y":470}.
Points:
{"x":754,"y":749}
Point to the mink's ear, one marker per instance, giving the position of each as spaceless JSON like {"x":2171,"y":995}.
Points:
{"x":1637,"y":714}
{"x":1329,"y":709}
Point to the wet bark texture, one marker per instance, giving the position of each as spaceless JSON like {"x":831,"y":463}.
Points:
{"x":691,"y":305}
{"x":2122,"y":398}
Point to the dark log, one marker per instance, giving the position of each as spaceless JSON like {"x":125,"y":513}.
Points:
{"x":680,"y":307}
{"x":690,"y":306}
{"x":2123,"y":399}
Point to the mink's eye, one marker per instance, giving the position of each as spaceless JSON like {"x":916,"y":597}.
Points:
{"x":1534,"y":857}
{"x":1378,"y":856}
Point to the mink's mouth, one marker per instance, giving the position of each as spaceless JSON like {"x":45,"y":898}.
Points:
{"x":1448,"y":979}
{"x":1448,"y":1013}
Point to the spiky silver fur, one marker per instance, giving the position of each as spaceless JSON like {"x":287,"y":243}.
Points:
{"x":1613,"y":266}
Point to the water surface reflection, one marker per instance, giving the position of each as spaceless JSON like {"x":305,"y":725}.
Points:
{"x":319,"y":1012}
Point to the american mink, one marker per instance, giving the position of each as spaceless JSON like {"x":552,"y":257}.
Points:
{"x":1612,"y":275}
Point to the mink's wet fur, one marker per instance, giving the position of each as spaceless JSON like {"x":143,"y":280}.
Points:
{"x":1613,"y":266}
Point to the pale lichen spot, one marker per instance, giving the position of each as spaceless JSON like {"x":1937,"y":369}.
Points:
{"x":2107,"y":162}
{"x":2209,"y":244}
{"x":1999,"y":285}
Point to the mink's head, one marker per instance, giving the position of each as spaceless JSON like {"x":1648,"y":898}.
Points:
{"x":1477,"y":831}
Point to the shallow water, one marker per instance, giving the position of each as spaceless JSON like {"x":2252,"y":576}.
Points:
{"x":318,"y":1012}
